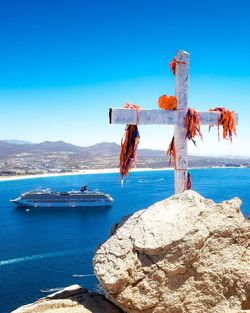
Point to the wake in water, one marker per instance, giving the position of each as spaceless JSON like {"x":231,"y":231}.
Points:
{"x":148,"y":181}
{"x":82,"y":275}
{"x":40,"y":256}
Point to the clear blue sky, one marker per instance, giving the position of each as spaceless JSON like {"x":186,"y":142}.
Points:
{"x":64,"y":63}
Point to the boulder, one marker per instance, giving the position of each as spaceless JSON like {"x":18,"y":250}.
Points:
{"x":73,"y":299}
{"x":182,"y":254}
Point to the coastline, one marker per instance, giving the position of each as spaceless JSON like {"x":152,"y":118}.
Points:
{"x":103,"y":171}
{"x":81,"y":172}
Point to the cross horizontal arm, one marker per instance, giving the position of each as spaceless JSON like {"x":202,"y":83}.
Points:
{"x":159,"y":117}
{"x":150,"y":117}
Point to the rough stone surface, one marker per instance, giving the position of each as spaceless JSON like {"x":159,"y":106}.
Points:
{"x":183,"y":254}
{"x":73,"y":299}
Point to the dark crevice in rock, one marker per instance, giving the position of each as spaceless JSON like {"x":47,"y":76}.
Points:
{"x":246,"y":304}
{"x":118,"y":225}
{"x":137,"y":282}
{"x":152,"y":261}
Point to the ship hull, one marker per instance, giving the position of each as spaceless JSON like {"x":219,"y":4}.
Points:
{"x":25,"y":203}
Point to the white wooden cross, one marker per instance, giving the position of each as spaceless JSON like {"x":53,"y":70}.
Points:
{"x":176,"y":118}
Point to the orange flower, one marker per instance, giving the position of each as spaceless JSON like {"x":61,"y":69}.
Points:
{"x":167,"y":103}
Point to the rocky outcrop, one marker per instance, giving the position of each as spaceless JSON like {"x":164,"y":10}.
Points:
{"x":73,"y":299}
{"x":183,"y":254}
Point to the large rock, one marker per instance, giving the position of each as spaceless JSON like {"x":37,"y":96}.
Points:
{"x":183,"y":254}
{"x":73,"y":299}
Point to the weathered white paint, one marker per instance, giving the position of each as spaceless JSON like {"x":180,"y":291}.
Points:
{"x":147,"y":117}
{"x":180,"y":142}
{"x":159,"y":117}
{"x":176,"y":118}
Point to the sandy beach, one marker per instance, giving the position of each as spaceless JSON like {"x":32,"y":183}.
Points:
{"x":83,"y":172}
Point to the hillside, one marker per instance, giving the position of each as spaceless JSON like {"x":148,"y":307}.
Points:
{"x":17,"y":158}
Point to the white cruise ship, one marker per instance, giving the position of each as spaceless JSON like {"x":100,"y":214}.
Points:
{"x":47,"y":198}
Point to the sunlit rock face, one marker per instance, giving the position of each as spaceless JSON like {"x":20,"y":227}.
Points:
{"x":182,"y":254}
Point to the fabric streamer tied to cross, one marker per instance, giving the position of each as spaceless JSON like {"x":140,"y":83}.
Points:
{"x":173,"y":111}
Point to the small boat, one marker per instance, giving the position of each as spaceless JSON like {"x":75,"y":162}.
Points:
{"x":51,"y":290}
{"x":48,"y":199}
{"x":77,"y":275}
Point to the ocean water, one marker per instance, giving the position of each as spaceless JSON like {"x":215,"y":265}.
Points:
{"x":41,"y":248}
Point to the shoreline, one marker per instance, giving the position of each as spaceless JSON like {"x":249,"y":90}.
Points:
{"x":81,"y":172}
{"x":102,"y":171}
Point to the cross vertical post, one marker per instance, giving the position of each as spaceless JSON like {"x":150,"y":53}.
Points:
{"x":180,"y":141}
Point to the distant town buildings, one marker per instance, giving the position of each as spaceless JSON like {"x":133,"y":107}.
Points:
{"x":39,"y":159}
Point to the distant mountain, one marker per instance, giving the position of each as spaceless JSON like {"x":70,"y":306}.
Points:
{"x":110,"y":147}
{"x":17,"y":142}
{"x":22,"y":157}
{"x":13,"y":146}
{"x":8,"y":149}
{"x":56,"y":146}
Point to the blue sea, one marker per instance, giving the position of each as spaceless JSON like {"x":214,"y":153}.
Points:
{"x":41,"y":248}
